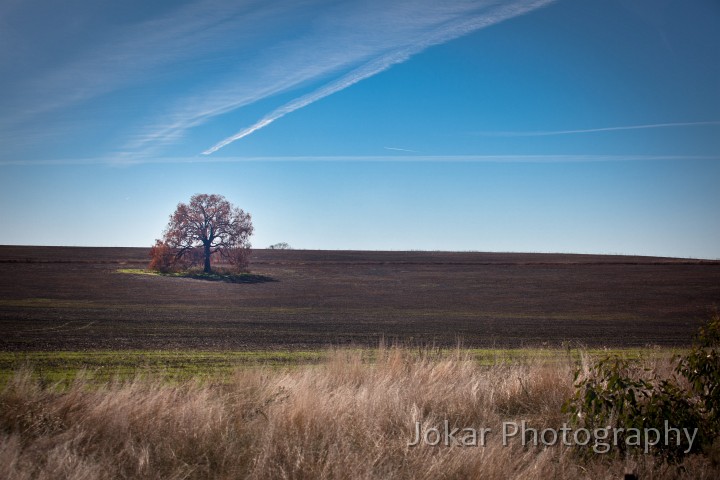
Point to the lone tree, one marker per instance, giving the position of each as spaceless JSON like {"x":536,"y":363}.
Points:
{"x":209,"y":224}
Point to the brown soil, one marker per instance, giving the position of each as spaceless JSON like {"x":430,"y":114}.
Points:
{"x":65,"y":298}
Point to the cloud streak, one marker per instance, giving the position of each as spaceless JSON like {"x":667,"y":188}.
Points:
{"x":396,"y":149}
{"x":548,"y":133}
{"x":179,"y":66}
{"x":579,"y":158}
{"x":451,"y":29}
{"x":367,"y":71}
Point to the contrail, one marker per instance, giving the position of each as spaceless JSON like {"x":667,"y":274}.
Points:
{"x":593,"y":130}
{"x":450,"y":32}
{"x":400,"y":149}
{"x":564,"y":158}
{"x":352,"y":78}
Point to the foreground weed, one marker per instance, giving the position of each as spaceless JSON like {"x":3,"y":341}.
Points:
{"x":618,"y":393}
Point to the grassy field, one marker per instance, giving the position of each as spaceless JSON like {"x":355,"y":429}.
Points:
{"x":320,"y":364}
{"x":352,"y":415}
{"x":99,"y":366}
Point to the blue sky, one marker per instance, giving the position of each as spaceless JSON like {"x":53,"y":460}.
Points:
{"x":541,"y":126}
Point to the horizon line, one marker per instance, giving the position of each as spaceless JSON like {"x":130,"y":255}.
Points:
{"x":416,"y":250}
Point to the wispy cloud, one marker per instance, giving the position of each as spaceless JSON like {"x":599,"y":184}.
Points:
{"x":366,"y":71}
{"x":119,"y":54}
{"x":188,"y":63}
{"x":436,"y":27}
{"x":548,"y":133}
{"x":396,"y":149}
{"x":579,"y":158}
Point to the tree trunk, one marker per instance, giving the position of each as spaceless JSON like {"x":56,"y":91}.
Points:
{"x":207,"y":257}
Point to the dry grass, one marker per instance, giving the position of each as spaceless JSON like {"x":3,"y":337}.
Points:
{"x":346,"y":418}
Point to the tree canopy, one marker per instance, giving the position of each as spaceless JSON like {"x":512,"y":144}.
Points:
{"x":198,"y":230}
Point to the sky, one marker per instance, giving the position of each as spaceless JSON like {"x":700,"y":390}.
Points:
{"x":519,"y":125}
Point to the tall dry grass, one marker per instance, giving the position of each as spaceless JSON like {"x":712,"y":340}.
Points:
{"x":347,"y":418}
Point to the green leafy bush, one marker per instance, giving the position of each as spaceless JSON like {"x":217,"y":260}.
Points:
{"x":701,"y":367}
{"x":617,"y":393}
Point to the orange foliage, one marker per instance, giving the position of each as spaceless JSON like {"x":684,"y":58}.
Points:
{"x":162,"y":257}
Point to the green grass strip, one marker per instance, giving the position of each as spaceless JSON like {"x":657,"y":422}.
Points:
{"x":178,"y":365}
